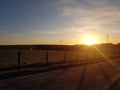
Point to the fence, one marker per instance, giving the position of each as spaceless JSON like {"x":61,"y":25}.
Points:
{"x":17,"y":57}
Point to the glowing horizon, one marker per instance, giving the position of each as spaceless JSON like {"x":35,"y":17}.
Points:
{"x":90,"y":41}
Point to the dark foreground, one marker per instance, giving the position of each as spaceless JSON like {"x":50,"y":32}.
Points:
{"x":115,"y":85}
{"x":87,"y":77}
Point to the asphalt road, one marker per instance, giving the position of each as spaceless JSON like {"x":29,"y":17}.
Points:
{"x":89,"y":77}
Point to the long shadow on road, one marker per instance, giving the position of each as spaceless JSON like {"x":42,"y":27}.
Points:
{"x":82,"y":78}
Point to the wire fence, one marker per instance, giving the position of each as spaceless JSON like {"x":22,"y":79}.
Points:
{"x":23,"y":57}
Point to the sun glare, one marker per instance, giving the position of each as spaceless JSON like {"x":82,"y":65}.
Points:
{"x":90,"y":41}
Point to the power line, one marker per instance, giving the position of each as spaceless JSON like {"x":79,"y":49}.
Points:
{"x":107,"y":38}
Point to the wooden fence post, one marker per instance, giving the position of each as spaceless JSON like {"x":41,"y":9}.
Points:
{"x":87,"y":55}
{"x":65,"y":55}
{"x":70,"y":57}
{"x":77,"y":57}
{"x":95,"y":54}
{"x":19,"y":57}
{"x":46,"y":56}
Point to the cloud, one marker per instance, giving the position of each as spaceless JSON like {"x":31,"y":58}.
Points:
{"x":115,"y":31}
{"x":92,"y":14}
{"x":50,"y":32}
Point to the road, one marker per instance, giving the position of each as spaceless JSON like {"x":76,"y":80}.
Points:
{"x":87,"y":77}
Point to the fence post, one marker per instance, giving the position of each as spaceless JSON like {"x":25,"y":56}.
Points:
{"x":46,"y":56}
{"x":87,"y":54}
{"x":77,"y":56}
{"x":19,"y":57}
{"x":70,"y":56}
{"x":65,"y":56}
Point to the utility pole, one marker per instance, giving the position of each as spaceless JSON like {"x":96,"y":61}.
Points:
{"x":107,"y":38}
{"x":60,"y":42}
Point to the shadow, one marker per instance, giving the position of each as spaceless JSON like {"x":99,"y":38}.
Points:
{"x":82,"y":78}
{"x":105,"y":75}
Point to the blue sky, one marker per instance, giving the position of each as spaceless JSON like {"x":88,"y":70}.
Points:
{"x":49,"y":21}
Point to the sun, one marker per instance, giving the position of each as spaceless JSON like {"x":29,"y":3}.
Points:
{"x":90,"y":41}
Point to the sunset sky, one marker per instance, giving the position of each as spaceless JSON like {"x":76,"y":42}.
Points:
{"x":58,"y":21}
